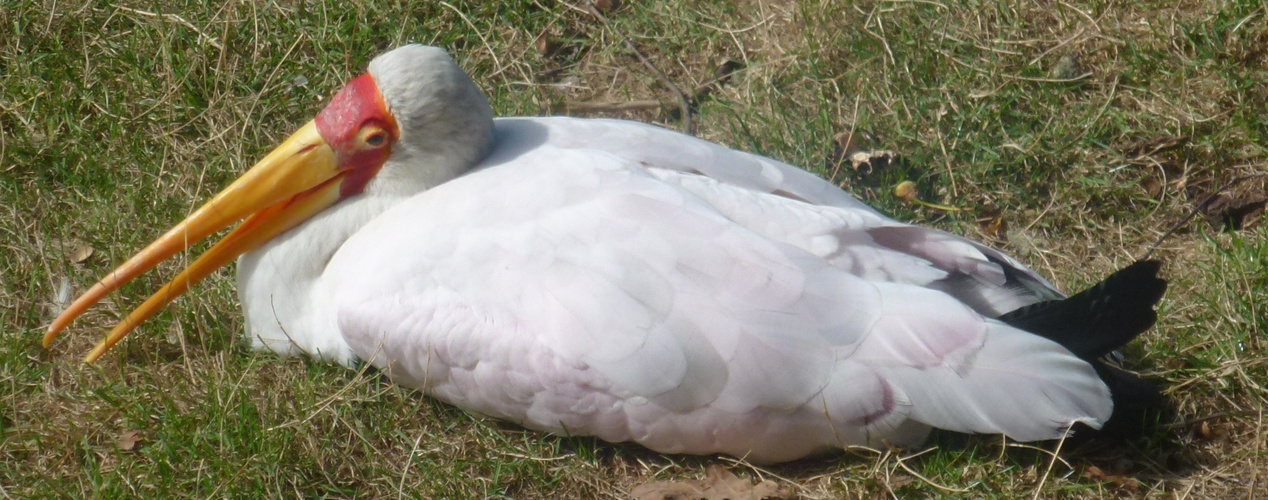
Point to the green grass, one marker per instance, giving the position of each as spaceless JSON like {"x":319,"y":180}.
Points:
{"x":117,"y":118}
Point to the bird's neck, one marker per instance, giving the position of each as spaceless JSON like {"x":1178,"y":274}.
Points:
{"x":280,"y":283}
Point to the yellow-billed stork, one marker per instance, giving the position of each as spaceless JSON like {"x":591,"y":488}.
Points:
{"x":615,"y":279}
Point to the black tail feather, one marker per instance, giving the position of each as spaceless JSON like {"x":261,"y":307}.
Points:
{"x":1139,"y":408}
{"x":1102,"y":318}
{"x":1095,"y":322}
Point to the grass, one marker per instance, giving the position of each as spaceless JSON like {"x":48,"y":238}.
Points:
{"x":117,"y":118}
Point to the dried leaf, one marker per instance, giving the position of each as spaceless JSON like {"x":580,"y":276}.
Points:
{"x":1120,"y":481}
{"x":1207,"y":431}
{"x":992,"y":226}
{"x":1233,"y":212}
{"x":665,"y":490}
{"x":81,"y":254}
{"x":1152,"y":187}
{"x":607,"y":6}
{"x":1203,"y":430}
{"x":867,"y":163}
{"x":1153,"y":145}
{"x":128,"y":440}
{"x":900,"y":480}
{"x":769,"y":490}
{"x":1126,"y":483}
{"x":847,"y":143}
{"x":850,"y":149}
{"x":719,"y":484}
{"x":545,"y":46}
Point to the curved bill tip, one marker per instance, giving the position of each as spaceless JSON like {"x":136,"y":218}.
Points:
{"x":299,"y":178}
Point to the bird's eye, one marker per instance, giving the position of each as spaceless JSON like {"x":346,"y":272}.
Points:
{"x":375,"y":139}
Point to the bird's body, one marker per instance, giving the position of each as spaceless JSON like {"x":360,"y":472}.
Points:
{"x":588,"y":278}
{"x":608,"y":278}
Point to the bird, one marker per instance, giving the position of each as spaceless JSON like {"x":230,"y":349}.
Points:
{"x":609,"y":278}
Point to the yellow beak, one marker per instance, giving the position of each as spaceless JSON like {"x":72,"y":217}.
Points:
{"x":295,"y":181}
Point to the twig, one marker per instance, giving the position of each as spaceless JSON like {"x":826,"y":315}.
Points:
{"x":639,"y":104}
{"x":1194,"y":421}
{"x":1049,"y":80}
{"x":683,"y":103}
{"x":179,"y":20}
{"x":902,"y":463}
{"x":598,"y":107}
{"x":761,"y":473}
{"x":1254,"y":483}
{"x":485,"y":41}
{"x":1095,"y":23}
{"x":1048,"y":470}
{"x":325,"y":403}
{"x":1200,"y":206}
{"x":400,"y":487}
{"x":246,"y":122}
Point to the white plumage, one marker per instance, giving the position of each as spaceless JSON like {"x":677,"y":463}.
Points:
{"x":609,"y":278}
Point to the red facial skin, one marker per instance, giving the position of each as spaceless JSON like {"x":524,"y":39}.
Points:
{"x":355,"y":118}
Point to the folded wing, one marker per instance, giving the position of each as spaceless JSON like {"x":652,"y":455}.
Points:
{"x":613,"y":292}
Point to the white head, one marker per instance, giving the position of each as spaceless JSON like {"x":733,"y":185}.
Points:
{"x":445,"y":122}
